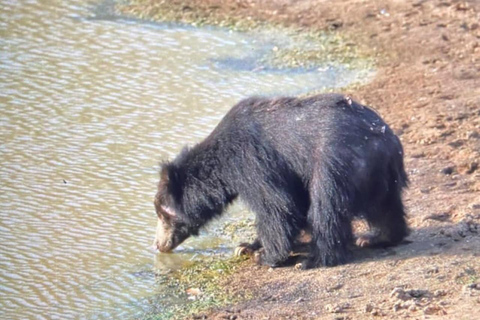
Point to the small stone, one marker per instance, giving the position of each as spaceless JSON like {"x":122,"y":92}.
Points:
{"x":473,"y":135}
{"x":474,"y":206}
{"x":335,"y":287}
{"x":462,"y":6}
{"x":418,"y":155}
{"x":397,"y":306}
{"x":456,"y":144}
{"x":472,"y":286}
{"x":337,"y":308}
{"x":399,"y":293}
{"x":335,"y":25}
{"x":194,"y":292}
{"x":433,"y":270}
{"x":417,"y":293}
{"x":444,"y":216}
{"x":434,"y":310}
{"x":368,"y":308}
{"x":299,"y":300}
{"x":439,"y":293}
{"x":448,"y":170}
{"x":332,"y":308}
{"x":472,"y":167}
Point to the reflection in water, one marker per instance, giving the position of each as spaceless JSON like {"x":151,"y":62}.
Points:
{"x":88,"y":108}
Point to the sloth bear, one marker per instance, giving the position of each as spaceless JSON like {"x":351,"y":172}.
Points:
{"x":300,"y":164}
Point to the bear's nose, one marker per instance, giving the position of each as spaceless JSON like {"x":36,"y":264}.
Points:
{"x":163,"y":247}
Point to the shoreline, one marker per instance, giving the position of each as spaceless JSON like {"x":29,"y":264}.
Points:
{"x":427,"y":88}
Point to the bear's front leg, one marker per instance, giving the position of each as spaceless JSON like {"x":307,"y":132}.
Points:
{"x":247,"y":248}
{"x":277,"y":243}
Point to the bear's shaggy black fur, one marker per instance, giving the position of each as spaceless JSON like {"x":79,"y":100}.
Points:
{"x":299,"y":164}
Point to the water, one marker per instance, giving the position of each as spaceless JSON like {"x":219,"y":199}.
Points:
{"x":88,"y":107}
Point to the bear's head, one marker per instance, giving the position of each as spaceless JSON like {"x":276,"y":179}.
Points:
{"x":171,"y":230}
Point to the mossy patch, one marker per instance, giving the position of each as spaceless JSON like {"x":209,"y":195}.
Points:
{"x":181,"y":11}
{"x":313,"y":49}
{"x":239,"y":230}
{"x":196,"y":288}
{"x":307,"y":49}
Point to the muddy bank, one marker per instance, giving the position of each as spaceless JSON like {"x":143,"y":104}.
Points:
{"x":428,"y":88}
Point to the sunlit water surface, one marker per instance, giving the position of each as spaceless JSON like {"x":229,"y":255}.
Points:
{"x":88,"y":107}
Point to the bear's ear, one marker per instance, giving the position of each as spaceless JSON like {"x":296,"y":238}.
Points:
{"x":164,"y":176}
{"x":164,"y":168}
{"x":170,"y":185}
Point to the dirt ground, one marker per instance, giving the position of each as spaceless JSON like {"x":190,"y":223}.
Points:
{"x":428,"y":89}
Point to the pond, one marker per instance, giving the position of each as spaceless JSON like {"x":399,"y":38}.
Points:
{"x":90,"y":104}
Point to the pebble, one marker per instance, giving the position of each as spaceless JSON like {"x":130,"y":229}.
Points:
{"x":448,"y":170}
{"x":368,"y":308}
{"x":439,"y":293}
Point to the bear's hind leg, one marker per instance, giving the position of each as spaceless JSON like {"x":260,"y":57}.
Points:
{"x":329,"y":246}
{"x":330,"y":226}
{"x":387,"y":223}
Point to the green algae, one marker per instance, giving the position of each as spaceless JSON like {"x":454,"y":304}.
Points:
{"x":196,"y":288}
{"x":184,"y":12}
{"x":307,"y":49}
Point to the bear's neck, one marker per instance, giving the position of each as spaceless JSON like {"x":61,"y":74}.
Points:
{"x":207,"y":188}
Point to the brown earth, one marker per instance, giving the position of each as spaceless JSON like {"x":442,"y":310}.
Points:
{"x":428,"y":89}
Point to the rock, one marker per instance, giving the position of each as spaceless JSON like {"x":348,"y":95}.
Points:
{"x":434,"y":310}
{"x":432,"y":270}
{"x":412,"y":308}
{"x":468,"y":288}
{"x":439,"y":293}
{"x":193,"y":293}
{"x":456,"y":144}
{"x":425,"y":190}
{"x":418,"y":154}
{"x":448,"y":170}
{"x":444,"y":216}
{"x":462,"y":6}
{"x":336,"y":24}
{"x":417,"y":293}
{"x":335,"y":287}
{"x":332,"y":308}
{"x":474,"y":206}
{"x":404,"y":295}
{"x":399,"y":293}
{"x":397,"y":306}
{"x":473,"y":135}
{"x":368,"y":308}
{"x":472,"y":167}
{"x":337,"y":308}
{"x":299,"y":300}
